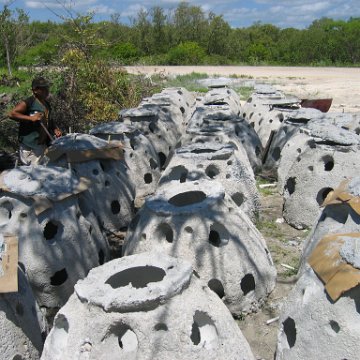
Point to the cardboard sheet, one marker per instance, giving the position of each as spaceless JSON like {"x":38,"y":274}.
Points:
{"x":113,"y":150}
{"x":8,"y":264}
{"x":337,"y":275}
{"x":341,"y":195}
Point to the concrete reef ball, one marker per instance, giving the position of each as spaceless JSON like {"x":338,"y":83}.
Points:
{"x":133,"y":308}
{"x":199,"y":222}
{"x":58,"y":243}
{"x":315,"y":327}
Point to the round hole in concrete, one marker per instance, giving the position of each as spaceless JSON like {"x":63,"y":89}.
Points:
{"x":212,"y":171}
{"x":127,"y":340}
{"x":311,"y":168}
{"x":187,"y":198}
{"x":228,"y":176}
{"x":162,"y":158}
{"x":189,"y":229}
{"x":247,"y":284}
{"x":148,"y":178}
{"x":153,"y":164}
{"x":214,"y":238}
{"x":290,"y":185}
{"x":115,"y":207}
{"x":51,"y":229}
{"x":230,"y":162}
{"x":152,"y":127}
{"x":328,"y":162}
{"x":160,"y":327}
{"x":357,"y":131}
{"x":252,"y":124}
{"x":312,"y":144}
{"x":138,"y":276}
{"x":101,"y":257}
{"x":276,"y":153}
{"x":182,"y":110}
{"x":164,"y":231}
{"x":59,"y":277}
{"x":238,"y":198}
{"x":143,"y":236}
{"x":203,"y":331}
{"x":217,"y":287}
{"x":17,"y":357}
{"x":95,"y":171}
{"x":322,"y":194}
{"x":23,"y":216}
{"x":107,"y":183}
{"x":6,"y":209}
{"x":334,"y":325}
{"x":290,"y":331}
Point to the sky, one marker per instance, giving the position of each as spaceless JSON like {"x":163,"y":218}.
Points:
{"x":238,"y":13}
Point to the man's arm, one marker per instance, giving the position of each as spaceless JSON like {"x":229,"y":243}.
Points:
{"x":19,"y":113}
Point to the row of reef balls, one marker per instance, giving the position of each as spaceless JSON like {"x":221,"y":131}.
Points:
{"x":194,"y":162}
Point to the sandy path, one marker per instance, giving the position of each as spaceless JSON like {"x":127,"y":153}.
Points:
{"x":341,"y":84}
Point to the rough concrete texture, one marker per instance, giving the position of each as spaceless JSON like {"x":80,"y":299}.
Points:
{"x":112,"y":192}
{"x":210,"y":116}
{"x":223,"y":96}
{"x":293,"y":120}
{"x":22,"y":325}
{"x":199,"y":222}
{"x":316,"y":171}
{"x":221,"y":135}
{"x":218,"y":162}
{"x":58,"y":244}
{"x":133,"y":308}
{"x":140,"y":156}
{"x":157,"y":125}
{"x":350,"y":251}
{"x":334,"y":219}
{"x":265,"y":112}
{"x":315,"y":327}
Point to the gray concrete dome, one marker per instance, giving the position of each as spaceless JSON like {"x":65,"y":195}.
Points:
{"x":199,"y":222}
{"x":133,"y":308}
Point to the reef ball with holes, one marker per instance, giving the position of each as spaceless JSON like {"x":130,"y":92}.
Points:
{"x":145,"y":306}
{"x":199,"y":222}
{"x":58,"y":244}
{"x":312,"y":326}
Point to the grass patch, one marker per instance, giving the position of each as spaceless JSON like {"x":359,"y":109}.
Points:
{"x":188,"y":81}
{"x":270,"y":229}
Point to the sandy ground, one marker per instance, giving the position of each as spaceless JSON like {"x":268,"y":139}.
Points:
{"x":340,"y":84}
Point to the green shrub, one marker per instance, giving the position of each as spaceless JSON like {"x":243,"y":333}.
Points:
{"x":187,"y":53}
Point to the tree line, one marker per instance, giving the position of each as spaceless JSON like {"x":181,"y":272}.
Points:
{"x":186,"y":36}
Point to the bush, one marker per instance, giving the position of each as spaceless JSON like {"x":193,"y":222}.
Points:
{"x":187,"y":53}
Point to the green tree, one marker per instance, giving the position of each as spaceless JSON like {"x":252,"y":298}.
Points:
{"x":187,"y":53}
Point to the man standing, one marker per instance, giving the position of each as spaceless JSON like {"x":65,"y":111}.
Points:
{"x":36,"y":128}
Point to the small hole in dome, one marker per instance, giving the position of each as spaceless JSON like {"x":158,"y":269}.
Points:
{"x":328,"y":163}
{"x":115,"y":207}
{"x":311,"y":168}
{"x":101,"y":257}
{"x":23,"y":216}
{"x":322,"y":194}
{"x":212,"y":171}
{"x":162,"y":158}
{"x":203,"y":331}
{"x":230,"y":162}
{"x":290,"y":185}
{"x":133,"y":143}
{"x":182,"y":110}
{"x":238,"y":198}
{"x":290,"y":331}
{"x":164,"y":231}
{"x":257,"y":151}
{"x":127,"y":340}
{"x":276,"y":153}
{"x":214,"y":238}
{"x":228,"y":176}
{"x":247,"y":283}
{"x":217,"y":287}
{"x":148,"y":178}
{"x":50,"y":230}
{"x":17,"y":357}
{"x":143,"y":236}
{"x":95,"y":171}
{"x":59,"y":277}
{"x":160,"y":327}
{"x":107,"y":183}
{"x":152,"y":127}
{"x":189,"y":229}
{"x":335,"y":325}
{"x":138,"y":276}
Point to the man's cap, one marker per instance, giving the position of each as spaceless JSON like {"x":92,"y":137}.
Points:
{"x":40,"y":82}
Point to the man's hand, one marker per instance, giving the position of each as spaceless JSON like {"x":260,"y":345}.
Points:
{"x":57,"y":132}
{"x":37,"y":117}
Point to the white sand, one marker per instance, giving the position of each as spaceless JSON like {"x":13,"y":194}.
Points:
{"x":341,"y":84}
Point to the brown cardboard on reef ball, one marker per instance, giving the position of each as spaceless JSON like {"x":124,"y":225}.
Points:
{"x":337,"y":275}
{"x":113,"y":150}
{"x":341,"y":195}
{"x":9,"y":264}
